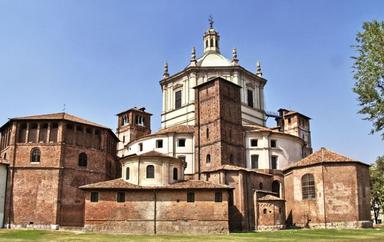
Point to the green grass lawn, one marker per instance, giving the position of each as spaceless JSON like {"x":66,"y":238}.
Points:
{"x":285,"y":235}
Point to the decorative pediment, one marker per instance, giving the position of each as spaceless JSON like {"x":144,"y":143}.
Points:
{"x":179,"y":85}
{"x":250,"y":85}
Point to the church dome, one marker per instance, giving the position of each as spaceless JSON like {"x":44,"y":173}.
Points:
{"x":213,"y":59}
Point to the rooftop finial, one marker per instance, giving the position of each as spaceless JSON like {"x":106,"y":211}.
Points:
{"x":165,"y":74}
{"x":193,"y":57}
{"x":258,"y":69}
{"x":234,"y":57}
{"x":211,"y":22}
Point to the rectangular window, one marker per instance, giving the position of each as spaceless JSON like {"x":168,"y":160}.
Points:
{"x":190,"y":197}
{"x":218,"y":197}
{"x":120,"y":197}
{"x":181,"y":142}
{"x":178,"y":99}
{"x":159,"y":143}
{"x":250,"y":98}
{"x":273,"y":143}
{"x":254,"y":142}
{"x":94,"y":197}
{"x":140,"y":146}
{"x":274,"y":162}
{"x":255,"y":161}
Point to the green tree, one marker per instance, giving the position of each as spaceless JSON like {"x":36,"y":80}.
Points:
{"x":368,"y":69}
{"x":376,"y":172}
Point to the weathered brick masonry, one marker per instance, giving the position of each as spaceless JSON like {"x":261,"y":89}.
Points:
{"x":45,"y":171}
{"x":341,"y":192}
{"x":156,"y":209}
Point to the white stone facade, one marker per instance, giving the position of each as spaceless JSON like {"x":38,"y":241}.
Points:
{"x":134,"y":170}
{"x":170,"y":147}
{"x":211,"y":64}
{"x":286,"y":149}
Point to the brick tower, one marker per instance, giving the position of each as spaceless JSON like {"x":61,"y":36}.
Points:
{"x":132,"y":124}
{"x":218,"y":130}
{"x":297,"y":124}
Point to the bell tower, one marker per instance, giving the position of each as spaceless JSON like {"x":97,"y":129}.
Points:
{"x":218,"y":130}
{"x":132,"y":124}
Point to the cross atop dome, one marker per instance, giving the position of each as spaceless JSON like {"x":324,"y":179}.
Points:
{"x":211,"y":22}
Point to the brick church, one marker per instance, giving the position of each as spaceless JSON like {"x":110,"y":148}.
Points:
{"x":213,"y":167}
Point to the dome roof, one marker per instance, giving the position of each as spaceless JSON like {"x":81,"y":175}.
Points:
{"x":213,"y":59}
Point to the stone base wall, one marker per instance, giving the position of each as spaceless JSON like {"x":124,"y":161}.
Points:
{"x":192,"y":227}
{"x":162,"y":227}
{"x":338,"y":225}
{"x":270,"y":227}
{"x":33,"y":226}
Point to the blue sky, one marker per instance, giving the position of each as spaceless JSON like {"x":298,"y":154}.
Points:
{"x":101,"y":57}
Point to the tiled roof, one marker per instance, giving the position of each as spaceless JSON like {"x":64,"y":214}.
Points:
{"x":60,"y":116}
{"x":177,"y":129}
{"x":270,"y":197}
{"x":234,"y":168}
{"x":150,"y":154}
{"x":291,"y":112}
{"x":124,"y":185}
{"x":322,"y":156}
{"x":141,"y":110}
{"x":274,"y":130}
{"x":251,"y":127}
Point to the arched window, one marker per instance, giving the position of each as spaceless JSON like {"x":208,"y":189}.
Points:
{"x":83,"y":159}
{"x":217,"y":43}
{"x":231,"y":158}
{"x":276,"y":187}
{"x":207,"y":133}
{"x":127,"y":173}
{"x":35,"y":155}
{"x":308,"y":186}
{"x":150,"y":171}
{"x":5,"y":156}
{"x":264,"y":211}
{"x":211,"y":42}
{"x":208,"y":159}
{"x":261,"y":186}
{"x":175,"y":173}
{"x":206,"y":44}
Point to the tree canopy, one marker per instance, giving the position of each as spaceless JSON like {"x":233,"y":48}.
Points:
{"x":377,"y":186}
{"x":368,"y":69}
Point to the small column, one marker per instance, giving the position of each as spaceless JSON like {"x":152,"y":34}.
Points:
{"x":38,"y":133}
{"x":48,"y":133}
{"x":60,"y":132}
{"x":13,"y":138}
{"x":27,"y":134}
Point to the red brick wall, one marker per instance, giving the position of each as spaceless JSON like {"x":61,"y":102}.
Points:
{"x":242,"y":213}
{"x":218,"y":109}
{"x":34,"y":197}
{"x":173,"y":213}
{"x":341,"y":184}
{"x":47,"y":192}
{"x":270,"y":213}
